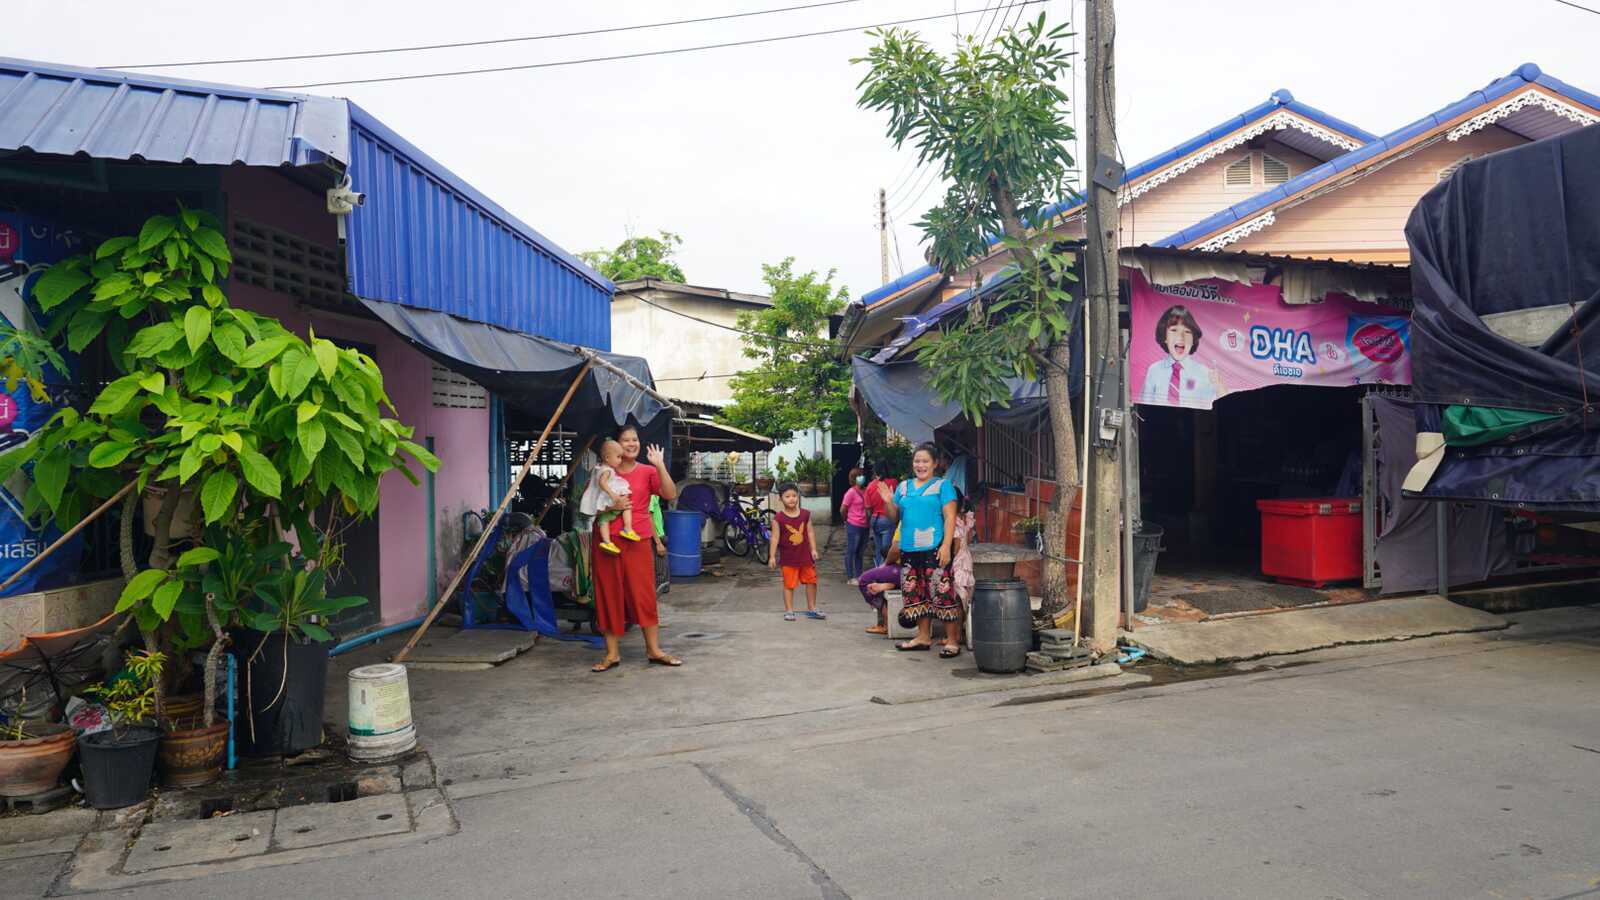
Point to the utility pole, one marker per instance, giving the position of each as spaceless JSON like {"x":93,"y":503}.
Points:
{"x":1100,"y":571}
{"x":883,"y":233}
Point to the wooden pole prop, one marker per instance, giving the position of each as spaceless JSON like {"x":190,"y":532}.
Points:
{"x":594,"y":359}
{"x":494,"y":520}
{"x":82,"y":523}
{"x":562,"y":487}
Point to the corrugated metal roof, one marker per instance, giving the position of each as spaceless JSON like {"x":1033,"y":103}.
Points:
{"x":102,"y":114}
{"x":1520,"y":79}
{"x":425,"y":238}
{"x":1279,"y":100}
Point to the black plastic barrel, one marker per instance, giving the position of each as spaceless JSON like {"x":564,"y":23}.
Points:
{"x":1002,"y":625}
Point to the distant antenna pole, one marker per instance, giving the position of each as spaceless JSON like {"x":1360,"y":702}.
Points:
{"x":883,"y":233}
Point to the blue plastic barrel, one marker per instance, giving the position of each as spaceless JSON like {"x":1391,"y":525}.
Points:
{"x":683,"y":541}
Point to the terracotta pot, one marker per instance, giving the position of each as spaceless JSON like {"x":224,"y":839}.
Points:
{"x":183,"y":706}
{"x":31,"y":766}
{"x":191,"y":754}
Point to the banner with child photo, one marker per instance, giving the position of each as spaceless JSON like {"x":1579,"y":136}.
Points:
{"x":1201,"y":340}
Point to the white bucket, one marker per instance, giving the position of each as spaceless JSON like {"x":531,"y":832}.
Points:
{"x":380,"y":713}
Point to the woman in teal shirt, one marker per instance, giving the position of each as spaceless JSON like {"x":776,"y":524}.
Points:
{"x":925,"y":506}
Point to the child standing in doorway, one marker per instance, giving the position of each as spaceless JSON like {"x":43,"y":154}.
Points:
{"x":794,"y":548}
{"x":606,"y":491}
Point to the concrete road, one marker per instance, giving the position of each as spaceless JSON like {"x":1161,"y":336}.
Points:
{"x":1461,"y":766}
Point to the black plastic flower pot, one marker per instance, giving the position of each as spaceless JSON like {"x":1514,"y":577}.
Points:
{"x":284,"y":684}
{"x":117,"y":769}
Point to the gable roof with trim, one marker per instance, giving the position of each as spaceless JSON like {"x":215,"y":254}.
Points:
{"x":1526,"y":102}
{"x":1296,"y":124}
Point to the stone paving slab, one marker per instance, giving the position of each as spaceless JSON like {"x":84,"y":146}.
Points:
{"x":325,"y":823}
{"x":980,"y":683}
{"x":65,"y":843}
{"x":162,"y":845}
{"x":72,"y":820}
{"x":476,"y":647}
{"x":1296,"y":631}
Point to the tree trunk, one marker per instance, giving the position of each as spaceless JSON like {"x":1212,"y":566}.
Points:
{"x":1058,"y":398}
{"x":161,"y":558}
{"x":212,"y":656}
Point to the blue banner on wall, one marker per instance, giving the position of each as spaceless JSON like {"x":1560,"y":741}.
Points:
{"x":28,"y":245}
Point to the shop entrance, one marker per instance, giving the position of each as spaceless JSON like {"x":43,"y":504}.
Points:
{"x":1202,"y":473}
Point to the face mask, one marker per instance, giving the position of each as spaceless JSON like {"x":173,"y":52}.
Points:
{"x":861,"y":479}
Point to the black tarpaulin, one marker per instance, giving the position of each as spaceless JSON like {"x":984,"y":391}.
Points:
{"x":1505,"y":267}
{"x":529,"y":372}
{"x":901,"y":396}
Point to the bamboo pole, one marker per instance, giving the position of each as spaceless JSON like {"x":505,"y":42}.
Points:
{"x":488,"y":528}
{"x":82,"y":523}
{"x":594,"y":359}
{"x":562,"y":487}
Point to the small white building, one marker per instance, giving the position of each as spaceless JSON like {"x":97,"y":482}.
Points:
{"x":690,"y":336}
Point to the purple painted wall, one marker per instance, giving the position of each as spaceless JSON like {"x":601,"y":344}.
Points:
{"x":461,"y":436}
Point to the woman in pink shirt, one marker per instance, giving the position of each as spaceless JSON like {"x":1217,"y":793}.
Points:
{"x":854,"y":507}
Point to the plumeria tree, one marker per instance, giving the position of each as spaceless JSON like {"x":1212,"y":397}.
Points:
{"x":992,"y":118}
{"x":213,"y":402}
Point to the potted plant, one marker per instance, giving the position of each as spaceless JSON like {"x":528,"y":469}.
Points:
{"x":814,"y":472}
{"x":1029,"y":529}
{"x":285,"y":650}
{"x":32,"y":755}
{"x":264,"y":425}
{"x":118,"y":763}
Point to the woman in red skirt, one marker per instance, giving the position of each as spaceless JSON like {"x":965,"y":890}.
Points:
{"x":625,"y":583}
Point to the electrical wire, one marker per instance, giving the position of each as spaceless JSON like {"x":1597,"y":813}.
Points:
{"x":911,"y":205}
{"x":620,"y":56}
{"x":484,"y":43}
{"x":816,"y":345}
{"x":1576,"y":6}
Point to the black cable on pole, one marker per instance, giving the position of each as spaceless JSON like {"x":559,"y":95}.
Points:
{"x":484,"y":43}
{"x":619,"y":56}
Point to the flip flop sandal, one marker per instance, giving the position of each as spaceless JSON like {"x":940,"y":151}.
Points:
{"x":877,"y":629}
{"x":816,"y":614}
{"x":949,"y":652}
{"x":669,"y":661}
{"x":612,"y":664}
{"x":908,"y":647}
{"x":788,"y":617}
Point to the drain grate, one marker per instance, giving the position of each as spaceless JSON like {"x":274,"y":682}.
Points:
{"x":342,"y":792}
{"x":220,"y":806}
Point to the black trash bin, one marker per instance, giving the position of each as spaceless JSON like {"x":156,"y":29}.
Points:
{"x":1146,"y":547}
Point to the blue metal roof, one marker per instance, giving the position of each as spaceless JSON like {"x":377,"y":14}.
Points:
{"x":1519,"y":78}
{"x":114,"y":115}
{"x":425,"y":238}
{"x":916,"y":326}
{"x":1279,"y":100}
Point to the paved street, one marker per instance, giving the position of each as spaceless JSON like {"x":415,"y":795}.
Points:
{"x":1458,"y":766}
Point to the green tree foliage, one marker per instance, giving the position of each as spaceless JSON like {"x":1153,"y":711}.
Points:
{"x":260,"y":424}
{"x":798,"y":382}
{"x":637,"y":258}
{"x":993,"y":120}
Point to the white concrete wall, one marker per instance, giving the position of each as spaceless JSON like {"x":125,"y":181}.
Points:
{"x":679,"y":347}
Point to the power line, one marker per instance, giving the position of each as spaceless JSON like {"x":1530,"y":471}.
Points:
{"x":619,"y":56}
{"x":909,"y":206}
{"x":485,"y":43}
{"x":816,"y":345}
{"x":1576,"y":6}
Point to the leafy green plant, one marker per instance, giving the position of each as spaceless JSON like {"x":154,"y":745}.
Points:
{"x":992,"y":119}
{"x":816,"y":469}
{"x":262,"y":424}
{"x":639,"y":257}
{"x":780,"y":469}
{"x":130,"y":696}
{"x":798,"y":381}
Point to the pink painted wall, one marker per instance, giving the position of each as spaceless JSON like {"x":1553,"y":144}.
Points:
{"x":461,"y":436}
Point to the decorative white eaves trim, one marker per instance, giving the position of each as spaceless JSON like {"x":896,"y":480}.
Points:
{"x":1275,"y":122}
{"x":1240,"y":232}
{"x":1517,"y":104}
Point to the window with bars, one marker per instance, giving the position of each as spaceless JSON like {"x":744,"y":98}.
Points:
{"x":1238,"y":172}
{"x":287,"y":264}
{"x":1273,"y":171}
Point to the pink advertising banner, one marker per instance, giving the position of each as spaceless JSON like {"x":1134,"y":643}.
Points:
{"x":1198,"y":341}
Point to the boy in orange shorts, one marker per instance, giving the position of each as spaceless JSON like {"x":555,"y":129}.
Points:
{"x":794,"y":547}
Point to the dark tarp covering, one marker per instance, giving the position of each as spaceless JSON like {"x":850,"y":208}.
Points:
{"x":532,"y":373}
{"x":899,"y":393}
{"x":1513,"y":231}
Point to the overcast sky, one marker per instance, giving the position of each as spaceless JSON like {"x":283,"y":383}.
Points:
{"x":757,"y":153}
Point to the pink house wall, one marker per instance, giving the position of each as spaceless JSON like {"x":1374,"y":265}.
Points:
{"x":461,"y":436}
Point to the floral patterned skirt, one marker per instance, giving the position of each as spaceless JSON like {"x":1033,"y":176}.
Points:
{"x":929,"y":588}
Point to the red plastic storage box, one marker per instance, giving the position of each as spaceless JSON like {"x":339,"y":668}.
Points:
{"x":1311,"y":541}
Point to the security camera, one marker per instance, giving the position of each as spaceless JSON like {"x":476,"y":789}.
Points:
{"x":342,"y":201}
